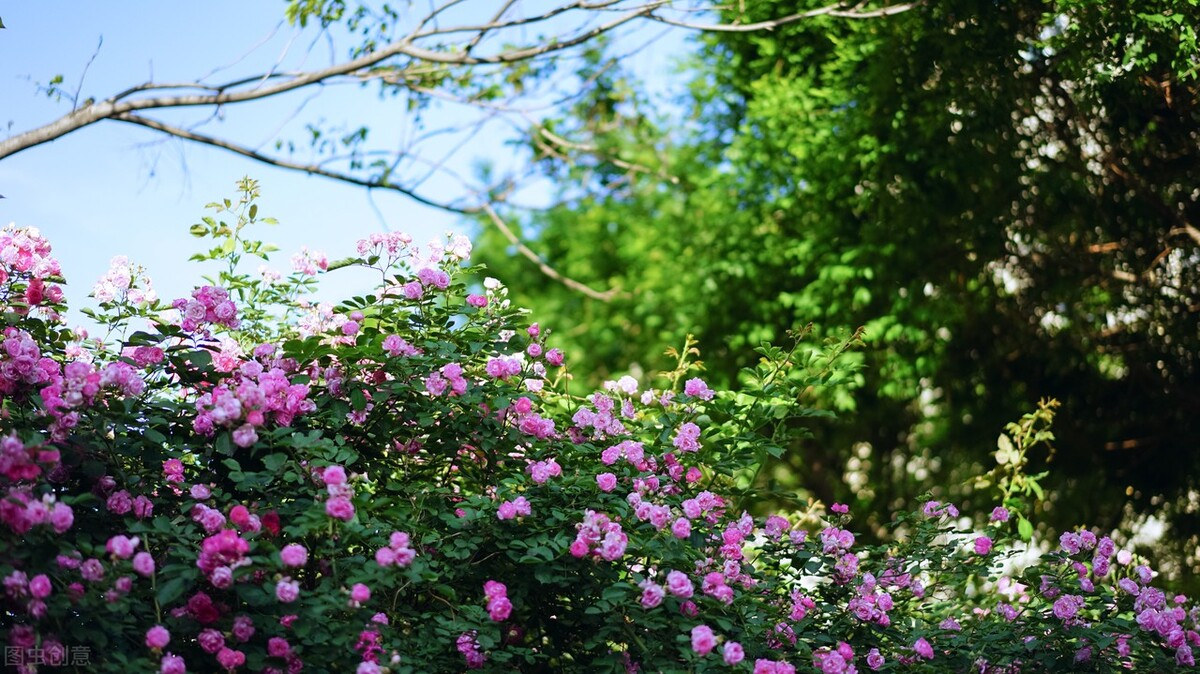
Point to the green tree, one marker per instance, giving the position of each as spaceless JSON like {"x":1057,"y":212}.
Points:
{"x":1002,"y":194}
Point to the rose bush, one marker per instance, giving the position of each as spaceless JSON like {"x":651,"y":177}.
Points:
{"x":407,"y":482}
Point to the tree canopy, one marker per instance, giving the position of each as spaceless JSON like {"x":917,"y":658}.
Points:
{"x":1002,"y":194}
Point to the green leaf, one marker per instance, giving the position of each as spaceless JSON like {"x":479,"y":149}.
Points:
{"x":171,"y":590}
{"x":273,"y":462}
{"x":1037,"y":490}
{"x":1024,"y":529}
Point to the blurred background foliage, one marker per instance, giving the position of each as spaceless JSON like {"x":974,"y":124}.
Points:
{"x":1005,"y":195}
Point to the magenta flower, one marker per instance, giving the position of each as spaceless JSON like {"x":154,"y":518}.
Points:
{"x":278,"y":647}
{"x":606,"y":481}
{"x":733,"y":653}
{"x":697,"y":389}
{"x":983,"y":545}
{"x":499,"y":607}
{"x":231,"y":659}
{"x":923,"y":648}
{"x":687,"y":438}
{"x":679,"y":584}
{"x":211,"y":640}
{"x":703,"y":639}
{"x":681,"y":528}
{"x":334,"y":476}
{"x":652,"y":593}
{"x":172,"y":664}
{"x":243,"y":628}
{"x":122,"y":547}
{"x":293,"y":554}
{"x":40,"y":587}
{"x":340,"y":508}
{"x":287,"y":590}
{"x":157,"y":637}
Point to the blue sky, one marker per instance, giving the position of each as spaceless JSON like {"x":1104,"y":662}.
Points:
{"x":114,"y":189}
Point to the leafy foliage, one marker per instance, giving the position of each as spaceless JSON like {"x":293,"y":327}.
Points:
{"x":1000,"y":194}
{"x":409,"y":484}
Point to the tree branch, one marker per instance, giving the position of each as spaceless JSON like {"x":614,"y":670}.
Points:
{"x":546,"y":269}
{"x":383,"y":184}
{"x":426,"y":52}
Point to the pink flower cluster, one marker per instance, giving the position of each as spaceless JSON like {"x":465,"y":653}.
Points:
{"x":79,"y":385}
{"x":20,"y":512}
{"x":503,"y":367}
{"x":220,"y":554}
{"x":339,"y":505}
{"x":764,"y":666}
{"x":687,"y":439}
{"x":542,"y":471}
{"x":309,"y":262}
{"x":838,"y":660}
{"x":252,"y":396}
{"x":469,"y":648}
{"x":395,"y":345}
{"x":518,"y":507}
{"x":391,"y":244}
{"x":696,"y":388}
{"x":600,"y":419}
{"x":598,"y":535}
{"x":25,"y":256}
{"x":498,"y":605}
{"x":448,"y":378}
{"x":21,"y":362}
{"x":19,"y":462}
{"x":870,"y":602}
{"x":124,"y":282}
{"x":210,"y":305}
{"x":537,"y":426}
{"x":398,"y":551}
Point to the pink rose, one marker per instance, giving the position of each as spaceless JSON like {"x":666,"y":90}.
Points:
{"x":703,"y":640}
{"x":40,"y":586}
{"x":287,"y":590}
{"x":733,"y":653}
{"x":606,"y":481}
{"x":294,"y":554}
{"x":679,"y":584}
{"x":143,"y":564}
{"x":983,"y":545}
{"x":157,"y":637}
{"x":340,"y":508}
{"x":231,"y":659}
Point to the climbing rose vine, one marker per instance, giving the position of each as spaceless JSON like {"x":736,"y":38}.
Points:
{"x":246,"y":480}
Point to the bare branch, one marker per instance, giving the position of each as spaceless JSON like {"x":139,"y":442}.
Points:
{"x":311,"y":169}
{"x":384,"y":184}
{"x":111,"y":109}
{"x":427,"y":51}
{"x":1187,"y":229}
{"x":546,"y":269}
{"x":83,"y":76}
